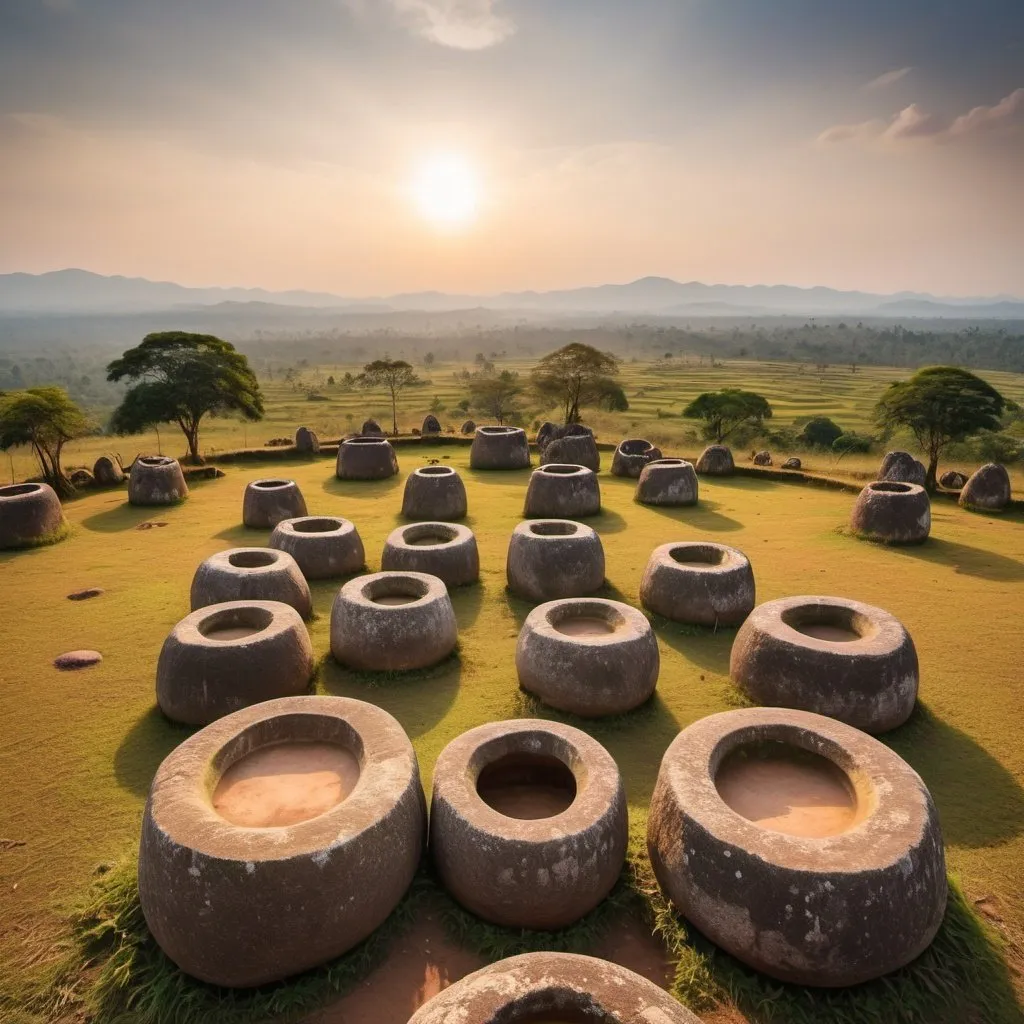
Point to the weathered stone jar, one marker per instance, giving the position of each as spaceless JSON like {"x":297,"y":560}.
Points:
{"x":553,"y":558}
{"x":434,"y":493}
{"x":716,"y":460}
{"x":306,"y":442}
{"x":578,"y":449}
{"x":559,"y":491}
{"x":632,"y":455}
{"x":588,"y":656}
{"x":393,"y":622}
{"x":700,"y":583}
{"x":802,"y":846}
{"x":537,"y":987}
{"x":269,"y":502}
{"x":893,"y":513}
{"x":156,"y":480}
{"x":836,"y":657}
{"x":29,"y":514}
{"x":902,"y":467}
{"x":499,"y":448}
{"x":107,"y":471}
{"x":668,"y":483}
{"x":366,"y":458}
{"x":279,"y":837}
{"x":445,"y":550}
{"x":431,"y":425}
{"x":324,"y":547}
{"x":251,"y":574}
{"x":987,"y":490}
{"x":528,"y":824}
{"x":227,"y":656}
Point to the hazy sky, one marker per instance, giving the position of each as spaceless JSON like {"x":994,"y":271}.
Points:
{"x":875,"y":144}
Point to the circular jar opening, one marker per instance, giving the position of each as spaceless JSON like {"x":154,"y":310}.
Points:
{"x":527,"y":786}
{"x":585,"y":625}
{"x":252,"y":559}
{"x":497,"y":430}
{"x":317,"y":525}
{"x":889,"y":487}
{"x":436,"y":471}
{"x":834,"y":623}
{"x":14,"y":490}
{"x":269,"y":484}
{"x":583,"y":1014}
{"x":285,"y":783}
{"x":395,"y":590}
{"x":697,"y":556}
{"x":635,"y":447}
{"x":428,"y":536}
{"x":668,"y":462}
{"x":235,"y":624}
{"x":552,"y":529}
{"x":784,"y":788}
{"x":557,"y":469}
{"x":366,"y":440}
{"x":155,"y":460}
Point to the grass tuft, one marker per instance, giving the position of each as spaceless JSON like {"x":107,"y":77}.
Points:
{"x":117,"y":973}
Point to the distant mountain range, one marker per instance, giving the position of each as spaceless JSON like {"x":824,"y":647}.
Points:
{"x":77,"y":292}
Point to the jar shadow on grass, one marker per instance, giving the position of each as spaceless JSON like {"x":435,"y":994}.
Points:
{"x":419,"y":699}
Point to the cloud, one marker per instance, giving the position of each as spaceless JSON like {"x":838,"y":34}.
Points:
{"x":914,"y":122}
{"x":889,"y":78}
{"x":460,"y":24}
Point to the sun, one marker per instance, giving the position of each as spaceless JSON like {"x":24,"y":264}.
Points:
{"x":446,"y":190}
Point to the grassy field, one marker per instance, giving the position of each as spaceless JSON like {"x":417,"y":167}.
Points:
{"x":657,"y":394}
{"x":78,"y":750}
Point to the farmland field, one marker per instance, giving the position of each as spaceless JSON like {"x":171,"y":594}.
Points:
{"x":657,"y":393}
{"x":78,"y":750}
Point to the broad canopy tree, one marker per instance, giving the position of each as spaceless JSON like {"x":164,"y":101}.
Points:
{"x":44,"y":418}
{"x":726,"y":410}
{"x":394,"y":375}
{"x":575,"y":376}
{"x":495,"y":394}
{"x":940,"y":405}
{"x":181,"y":378}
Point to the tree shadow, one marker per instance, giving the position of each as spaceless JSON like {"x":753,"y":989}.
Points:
{"x":122,"y":517}
{"x":418,"y":699}
{"x":244,"y":536}
{"x":143,"y":747}
{"x":965,"y":559}
{"x":980,"y":802}
{"x":701,"y":515}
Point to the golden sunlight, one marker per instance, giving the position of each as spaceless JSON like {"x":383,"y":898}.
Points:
{"x":446,"y":190}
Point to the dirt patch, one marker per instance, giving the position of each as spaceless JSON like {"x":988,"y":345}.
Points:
{"x":630,"y":944}
{"x":85,"y":595}
{"x":285,"y":784}
{"x":788,"y":790}
{"x":585,"y":625}
{"x":149,"y":526}
{"x":423,"y":963}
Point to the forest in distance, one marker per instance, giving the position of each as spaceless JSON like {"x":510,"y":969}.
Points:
{"x":72,"y":351}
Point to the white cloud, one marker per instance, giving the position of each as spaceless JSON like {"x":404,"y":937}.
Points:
{"x":889,"y":78}
{"x":460,"y":24}
{"x":914,"y":122}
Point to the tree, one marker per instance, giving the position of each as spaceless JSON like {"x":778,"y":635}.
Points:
{"x":495,"y":394}
{"x":939,"y":405}
{"x":614,"y":399}
{"x":46,"y":419}
{"x":574,"y":376}
{"x":180,"y":379}
{"x":394,"y":375}
{"x":820,"y":432}
{"x":723,"y":411}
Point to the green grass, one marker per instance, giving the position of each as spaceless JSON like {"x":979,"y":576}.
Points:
{"x":78,"y":750}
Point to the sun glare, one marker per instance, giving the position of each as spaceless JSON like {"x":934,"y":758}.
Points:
{"x":446,"y":191}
